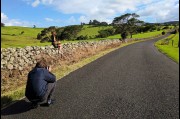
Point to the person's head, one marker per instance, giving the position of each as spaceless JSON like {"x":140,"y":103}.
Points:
{"x":53,"y":33}
{"x":41,"y":64}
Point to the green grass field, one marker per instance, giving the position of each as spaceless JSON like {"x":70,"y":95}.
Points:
{"x":11,"y":35}
{"x":89,"y":30}
{"x":140,"y":35}
{"x":170,"y":50}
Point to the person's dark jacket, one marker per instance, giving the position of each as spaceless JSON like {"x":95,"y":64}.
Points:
{"x":38,"y":79}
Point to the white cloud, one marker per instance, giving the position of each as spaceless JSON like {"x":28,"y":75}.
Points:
{"x":83,"y":19}
{"x":49,"y":19}
{"x":161,"y":11}
{"x":47,"y":1}
{"x":13,"y":22}
{"x":108,"y":9}
{"x":4,"y":18}
{"x":36,"y":3}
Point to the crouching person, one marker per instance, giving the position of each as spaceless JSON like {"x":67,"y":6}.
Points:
{"x":40,"y":85}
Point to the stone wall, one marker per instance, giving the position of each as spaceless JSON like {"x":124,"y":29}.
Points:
{"x":19,"y":58}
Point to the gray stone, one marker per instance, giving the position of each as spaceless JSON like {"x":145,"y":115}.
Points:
{"x":10,"y":66}
{"x":11,"y":59}
{"x":28,"y":48}
{"x":3,"y":62}
{"x":20,"y":68}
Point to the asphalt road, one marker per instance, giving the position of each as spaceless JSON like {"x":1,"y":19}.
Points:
{"x":133,"y":82}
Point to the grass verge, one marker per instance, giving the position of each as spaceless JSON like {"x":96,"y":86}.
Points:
{"x":169,"y":47}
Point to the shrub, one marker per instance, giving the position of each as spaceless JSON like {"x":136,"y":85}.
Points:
{"x":158,"y":29}
{"x":21,"y":32}
{"x":45,"y":39}
{"x":163,"y":33}
{"x":39,"y":37}
{"x":124,"y":35}
{"x":70,"y":32}
{"x":166,"y":27}
{"x":81,"y":37}
{"x":66,"y":35}
{"x":105,"y":33}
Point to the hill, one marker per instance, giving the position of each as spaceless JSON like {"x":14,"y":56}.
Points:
{"x":14,"y":36}
{"x":167,"y":23}
{"x":92,"y":31}
{"x":172,"y":22}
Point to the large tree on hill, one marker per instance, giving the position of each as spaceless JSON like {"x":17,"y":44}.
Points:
{"x":127,"y":23}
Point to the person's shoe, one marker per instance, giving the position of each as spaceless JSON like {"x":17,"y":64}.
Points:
{"x":50,"y":102}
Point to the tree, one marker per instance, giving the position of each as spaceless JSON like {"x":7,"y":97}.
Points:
{"x":90,"y":22}
{"x":34,"y":26}
{"x":127,"y":23}
{"x":133,"y":25}
{"x":95,"y":22}
{"x":2,"y":24}
{"x":104,"y":23}
{"x":70,"y":32}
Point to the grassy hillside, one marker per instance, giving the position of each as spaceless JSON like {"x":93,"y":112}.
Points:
{"x":168,"y":49}
{"x":91,"y":30}
{"x":11,"y":36}
{"x":140,"y":35}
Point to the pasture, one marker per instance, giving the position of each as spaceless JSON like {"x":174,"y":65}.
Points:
{"x":13,"y":36}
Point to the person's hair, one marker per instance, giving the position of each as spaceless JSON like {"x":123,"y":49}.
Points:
{"x":53,"y":32}
{"x":41,"y":64}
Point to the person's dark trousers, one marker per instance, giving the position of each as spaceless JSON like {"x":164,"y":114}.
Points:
{"x":50,"y":92}
{"x":48,"y":96}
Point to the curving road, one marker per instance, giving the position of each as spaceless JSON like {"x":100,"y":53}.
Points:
{"x":133,"y":82}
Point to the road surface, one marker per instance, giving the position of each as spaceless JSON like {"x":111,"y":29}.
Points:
{"x":133,"y":82}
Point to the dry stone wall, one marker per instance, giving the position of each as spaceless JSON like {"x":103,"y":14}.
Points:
{"x":19,"y":58}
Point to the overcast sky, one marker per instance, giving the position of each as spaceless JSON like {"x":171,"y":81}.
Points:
{"x":45,"y":13}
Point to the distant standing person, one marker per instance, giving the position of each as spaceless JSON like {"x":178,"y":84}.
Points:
{"x":40,"y":85}
{"x":56,"y":43}
{"x":54,"y":39}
